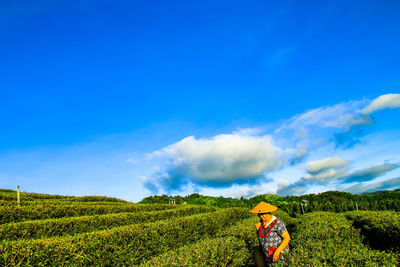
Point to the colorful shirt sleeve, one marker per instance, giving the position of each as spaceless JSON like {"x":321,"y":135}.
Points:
{"x":280,"y":227}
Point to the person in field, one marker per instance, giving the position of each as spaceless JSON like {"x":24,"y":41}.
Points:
{"x":272,"y":236}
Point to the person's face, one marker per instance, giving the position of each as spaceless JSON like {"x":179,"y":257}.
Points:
{"x":264,"y":216}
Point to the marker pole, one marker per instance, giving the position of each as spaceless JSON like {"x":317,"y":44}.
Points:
{"x":18,"y":196}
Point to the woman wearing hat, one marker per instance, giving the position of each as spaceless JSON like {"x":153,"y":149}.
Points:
{"x":272,"y":235}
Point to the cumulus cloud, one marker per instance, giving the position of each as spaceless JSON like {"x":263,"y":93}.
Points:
{"x":382,"y":102}
{"x":393,"y":183}
{"x":222,"y":160}
{"x":318,"y":166}
{"x":326,"y":170}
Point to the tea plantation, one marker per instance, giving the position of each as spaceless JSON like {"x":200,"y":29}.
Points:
{"x":52,"y":230}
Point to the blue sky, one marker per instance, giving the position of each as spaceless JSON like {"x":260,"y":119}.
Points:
{"x":233,"y":98}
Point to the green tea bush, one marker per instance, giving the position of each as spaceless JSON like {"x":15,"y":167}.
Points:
{"x":17,"y":214}
{"x":381,"y":228}
{"x":75,"y":225}
{"x":324,"y":238}
{"x":232,"y":246}
{"x":44,"y":202}
{"x":11,"y":195}
{"x":207,"y":252}
{"x":289,"y":221}
{"x":126,"y":245}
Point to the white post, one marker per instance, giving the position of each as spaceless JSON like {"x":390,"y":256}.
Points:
{"x":357,"y":205}
{"x":18,"y":198}
{"x":302,"y":209}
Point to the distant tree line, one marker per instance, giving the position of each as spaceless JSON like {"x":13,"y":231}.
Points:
{"x":333,"y":201}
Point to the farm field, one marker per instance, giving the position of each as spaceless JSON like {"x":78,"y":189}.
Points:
{"x":51,"y":230}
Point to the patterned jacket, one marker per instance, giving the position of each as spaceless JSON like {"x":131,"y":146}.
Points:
{"x":270,"y":237}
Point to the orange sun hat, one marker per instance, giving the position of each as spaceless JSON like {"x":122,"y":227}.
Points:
{"x":263,"y":207}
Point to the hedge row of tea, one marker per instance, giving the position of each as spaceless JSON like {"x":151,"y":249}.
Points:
{"x":382,"y":229}
{"x":229,"y":251}
{"x":75,"y":225}
{"x":11,"y":196}
{"x":126,"y":245}
{"x":39,"y":212}
{"x":45,"y":202}
{"x":324,"y":238}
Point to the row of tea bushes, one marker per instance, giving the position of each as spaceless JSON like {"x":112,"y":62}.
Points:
{"x":324,"y":238}
{"x":82,"y":224}
{"x":45,"y":202}
{"x":381,"y":228}
{"x":24,"y":213}
{"x":230,"y":251}
{"x":126,"y":245}
{"x":11,"y":195}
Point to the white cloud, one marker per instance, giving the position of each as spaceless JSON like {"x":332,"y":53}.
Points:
{"x":326,"y":176}
{"x":337,"y":116}
{"x":320,"y":165}
{"x":382,"y":102}
{"x":326,"y":170}
{"x":341,"y":116}
{"x":357,"y":120}
{"x":223,"y":159}
{"x":283,"y":183}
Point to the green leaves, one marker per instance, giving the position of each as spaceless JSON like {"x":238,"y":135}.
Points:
{"x":82,"y":224}
{"x":324,"y":238}
{"x":10,"y":214}
{"x":380,"y":228}
{"x":220,"y":251}
{"x":126,"y":245}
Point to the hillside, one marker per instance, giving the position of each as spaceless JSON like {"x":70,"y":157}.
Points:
{"x":52,"y":230}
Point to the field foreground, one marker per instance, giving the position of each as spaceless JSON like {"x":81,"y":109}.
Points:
{"x":58,"y":230}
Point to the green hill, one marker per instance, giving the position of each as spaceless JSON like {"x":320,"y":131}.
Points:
{"x":53,"y":230}
{"x":333,"y":201}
